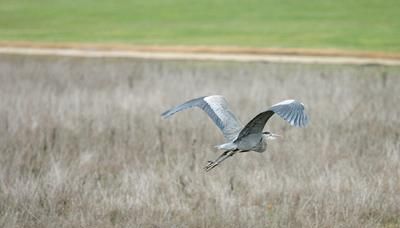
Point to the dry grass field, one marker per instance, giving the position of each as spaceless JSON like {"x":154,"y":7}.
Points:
{"x":82,"y":144}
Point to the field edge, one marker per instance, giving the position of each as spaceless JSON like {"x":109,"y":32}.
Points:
{"x":205,"y":49}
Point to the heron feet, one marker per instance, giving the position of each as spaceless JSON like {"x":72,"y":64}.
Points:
{"x":210,"y":165}
{"x":221,"y":158}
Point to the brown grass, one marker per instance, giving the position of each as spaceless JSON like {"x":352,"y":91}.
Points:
{"x":82,"y":144}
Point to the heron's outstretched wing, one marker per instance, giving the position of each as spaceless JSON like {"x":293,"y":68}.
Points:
{"x":290,"y":110}
{"x":217,"y":109}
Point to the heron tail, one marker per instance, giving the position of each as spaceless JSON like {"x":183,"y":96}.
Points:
{"x":227,"y":146}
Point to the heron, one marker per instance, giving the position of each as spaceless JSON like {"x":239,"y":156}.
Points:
{"x":239,"y":138}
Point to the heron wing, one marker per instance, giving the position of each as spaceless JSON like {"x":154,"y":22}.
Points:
{"x":217,"y":109}
{"x":290,"y":110}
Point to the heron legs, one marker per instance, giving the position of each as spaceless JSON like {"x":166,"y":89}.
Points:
{"x":221,"y":158}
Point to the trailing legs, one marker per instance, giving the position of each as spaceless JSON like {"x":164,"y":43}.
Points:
{"x":221,"y":158}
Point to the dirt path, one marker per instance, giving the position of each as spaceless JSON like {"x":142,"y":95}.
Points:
{"x":202,"y":53}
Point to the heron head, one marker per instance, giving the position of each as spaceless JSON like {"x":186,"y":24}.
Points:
{"x":270,"y":135}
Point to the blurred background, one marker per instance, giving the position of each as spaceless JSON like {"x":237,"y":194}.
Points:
{"x":348,"y":25}
{"x":82,"y":143}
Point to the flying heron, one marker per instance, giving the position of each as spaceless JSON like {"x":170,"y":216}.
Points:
{"x":238,"y":138}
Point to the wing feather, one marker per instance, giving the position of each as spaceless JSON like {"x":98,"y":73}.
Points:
{"x":217,"y":109}
{"x":290,"y":110}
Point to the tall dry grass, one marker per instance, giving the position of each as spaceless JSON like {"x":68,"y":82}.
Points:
{"x":82,"y":144}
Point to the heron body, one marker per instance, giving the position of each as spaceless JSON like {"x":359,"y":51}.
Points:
{"x":253,"y":142}
{"x":239,"y":138}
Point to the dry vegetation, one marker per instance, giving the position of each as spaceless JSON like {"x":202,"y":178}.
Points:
{"x":82,"y":144}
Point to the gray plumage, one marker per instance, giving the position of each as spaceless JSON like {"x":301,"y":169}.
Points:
{"x":239,"y":138}
{"x":217,"y":109}
{"x":290,"y":110}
